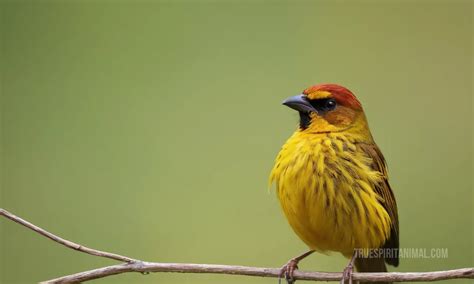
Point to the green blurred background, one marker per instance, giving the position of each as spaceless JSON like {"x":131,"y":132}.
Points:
{"x":149,"y":128}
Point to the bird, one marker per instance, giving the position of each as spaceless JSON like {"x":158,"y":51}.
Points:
{"x":332,"y":184}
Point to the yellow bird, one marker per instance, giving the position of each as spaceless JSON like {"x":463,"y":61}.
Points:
{"x":331,"y":181}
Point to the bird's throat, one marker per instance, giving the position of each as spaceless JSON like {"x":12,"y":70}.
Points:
{"x":305,"y":120}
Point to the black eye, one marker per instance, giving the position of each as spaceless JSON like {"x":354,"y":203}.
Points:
{"x":324,"y":105}
{"x":330,"y":104}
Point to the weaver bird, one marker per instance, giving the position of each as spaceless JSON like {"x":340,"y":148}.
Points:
{"x":331,"y":181}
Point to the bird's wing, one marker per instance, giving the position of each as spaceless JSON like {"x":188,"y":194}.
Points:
{"x":383,"y":189}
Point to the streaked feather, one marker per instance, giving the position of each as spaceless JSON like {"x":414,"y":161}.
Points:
{"x":337,"y":206}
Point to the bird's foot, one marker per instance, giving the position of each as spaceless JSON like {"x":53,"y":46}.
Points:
{"x":347,"y":274}
{"x":288,"y":270}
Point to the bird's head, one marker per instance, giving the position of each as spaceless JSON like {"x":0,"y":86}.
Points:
{"x":328,"y":108}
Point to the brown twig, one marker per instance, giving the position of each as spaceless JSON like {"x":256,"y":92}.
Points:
{"x":133,"y":265}
{"x":144,"y":267}
{"x":62,"y":241}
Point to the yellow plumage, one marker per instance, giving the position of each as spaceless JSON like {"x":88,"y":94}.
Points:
{"x":325,"y":187}
{"x":331,"y":180}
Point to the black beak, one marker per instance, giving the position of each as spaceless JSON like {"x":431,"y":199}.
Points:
{"x":299,"y":103}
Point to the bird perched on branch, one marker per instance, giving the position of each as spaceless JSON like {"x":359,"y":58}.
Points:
{"x":331,"y":181}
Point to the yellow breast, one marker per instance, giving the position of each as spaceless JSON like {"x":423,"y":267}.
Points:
{"x":325,"y":187}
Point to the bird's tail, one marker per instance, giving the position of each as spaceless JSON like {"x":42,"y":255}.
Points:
{"x":371,"y":264}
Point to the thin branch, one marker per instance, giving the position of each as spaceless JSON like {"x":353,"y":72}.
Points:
{"x":145,"y":267}
{"x":133,"y":265}
{"x":62,"y":241}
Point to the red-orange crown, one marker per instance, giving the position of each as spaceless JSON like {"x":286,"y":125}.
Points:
{"x":342,"y":95}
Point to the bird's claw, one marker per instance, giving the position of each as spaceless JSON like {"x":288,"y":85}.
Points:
{"x":347,"y":274}
{"x":288,"y":270}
